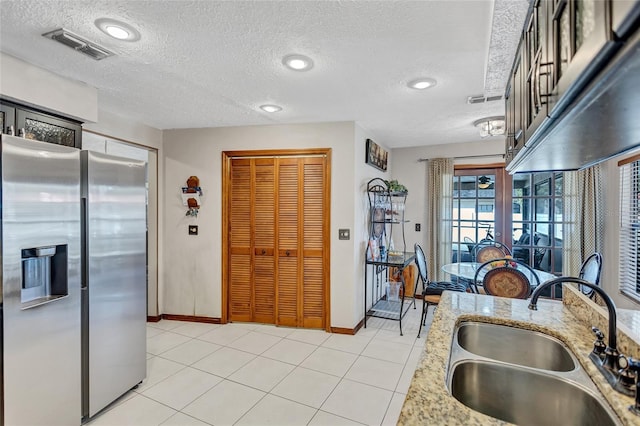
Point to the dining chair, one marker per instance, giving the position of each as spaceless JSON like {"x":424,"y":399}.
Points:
{"x":488,"y":250}
{"x":503,"y":278}
{"x":470,"y":244}
{"x":432,"y":290}
{"x":590,"y":271}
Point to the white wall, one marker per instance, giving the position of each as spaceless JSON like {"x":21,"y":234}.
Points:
{"x":360,"y":235}
{"x":412,"y":173}
{"x":193,"y":263}
{"x":33,"y":86}
{"x":117,"y":126}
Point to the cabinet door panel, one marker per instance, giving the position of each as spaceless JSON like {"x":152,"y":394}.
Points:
{"x":46,"y":128}
{"x":7,"y":118}
{"x":240,"y":241}
{"x":287,"y":288}
{"x":288,"y":239}
{"x":240,"y":287}
{"x":264,"y":241}
{"x":313,"y":292}
{"x":518,"y":99}
{"x":581,"y":43}
{"x":264,"y":295}
{"x":313,"y":227}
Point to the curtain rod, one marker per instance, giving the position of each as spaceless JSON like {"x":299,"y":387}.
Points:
{"x":467,"y":156}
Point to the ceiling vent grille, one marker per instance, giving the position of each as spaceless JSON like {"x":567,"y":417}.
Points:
{"x":482,"y":99}
{"x":78,"y":43}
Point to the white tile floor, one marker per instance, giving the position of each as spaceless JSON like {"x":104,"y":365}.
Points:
{"x":256,"y":374}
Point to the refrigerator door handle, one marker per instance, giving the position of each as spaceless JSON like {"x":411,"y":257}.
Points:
{"x":84,"y":262}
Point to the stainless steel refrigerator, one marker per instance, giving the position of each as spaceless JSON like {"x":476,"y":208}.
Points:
{"x":114,"y":278}
{"x":40,"y":297}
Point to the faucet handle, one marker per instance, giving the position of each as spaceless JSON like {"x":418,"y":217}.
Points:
{"x":626,"y":374}
{"x":599,"y":346}
{"x":634,"y":365}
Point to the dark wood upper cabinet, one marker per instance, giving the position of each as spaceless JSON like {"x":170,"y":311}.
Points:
{"x":7,"y":119}
{"x":514,"y":98}
{"x":537,"y":68}
{"x":571,"y":76}
{"x":38,"y":125}
{"x":581,"y":44}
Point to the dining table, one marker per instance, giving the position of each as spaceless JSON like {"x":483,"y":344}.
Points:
{"x":467,"y":271}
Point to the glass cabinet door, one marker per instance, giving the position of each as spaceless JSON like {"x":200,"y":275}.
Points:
{"x":46,"y":128}
{"x":581,"y":43}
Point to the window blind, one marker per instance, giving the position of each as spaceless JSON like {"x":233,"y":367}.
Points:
{"x":630,"y":229}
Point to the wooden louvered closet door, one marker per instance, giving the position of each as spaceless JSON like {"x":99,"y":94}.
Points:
{"x":263,"y":213}
{"x":252,"y":240}
{"x":301,"y":212}
{"x":288,"y":273}
{"x":240,"y":285}
{"x":277,"y":227}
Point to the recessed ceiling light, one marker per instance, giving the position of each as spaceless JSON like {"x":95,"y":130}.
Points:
{"x":270,"y":108}
{"x":298,"y":62}
{"x":422,"y":83}
{"x":117,"y":32}
{"x":117,"y":29}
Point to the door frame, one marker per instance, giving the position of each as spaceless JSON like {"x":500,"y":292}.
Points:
{"x":227,"y":156}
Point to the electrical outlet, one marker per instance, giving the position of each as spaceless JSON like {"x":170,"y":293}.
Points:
{"x":417,"y":227}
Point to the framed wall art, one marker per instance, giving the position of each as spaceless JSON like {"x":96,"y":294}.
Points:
{"x":376,"y":156}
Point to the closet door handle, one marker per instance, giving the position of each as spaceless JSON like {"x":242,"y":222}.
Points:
{"x":264,"y":251}
{"x":287,"y":253}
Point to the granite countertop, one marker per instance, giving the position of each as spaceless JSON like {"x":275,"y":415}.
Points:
{"x":428,"y":400}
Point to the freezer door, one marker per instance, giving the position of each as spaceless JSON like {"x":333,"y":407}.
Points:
{"x":115,"y":227}
{"x":40,"y":283}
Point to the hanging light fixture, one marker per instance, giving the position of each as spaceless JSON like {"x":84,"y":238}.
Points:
{"x":490,"y":126}
{"x":484,"y":182}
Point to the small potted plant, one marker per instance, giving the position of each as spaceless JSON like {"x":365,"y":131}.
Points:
{"x":395,"y":186}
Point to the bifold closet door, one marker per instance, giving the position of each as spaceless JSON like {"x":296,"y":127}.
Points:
{"x":301,"y":216}
{"x":263,"y":219}
{"x":315,"y":211}
{"x":252,"y":240}
{"x":277,"y":253}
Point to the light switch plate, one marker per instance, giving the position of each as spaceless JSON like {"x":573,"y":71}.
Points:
{"x":344,"y":234}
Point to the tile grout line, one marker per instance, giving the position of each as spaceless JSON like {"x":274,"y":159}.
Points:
{"x":371,"y":339}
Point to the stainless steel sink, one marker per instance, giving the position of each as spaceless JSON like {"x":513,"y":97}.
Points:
{"x":516,"y":346}
{"x":526,"y":397}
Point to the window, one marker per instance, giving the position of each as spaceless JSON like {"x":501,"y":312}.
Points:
{"x":523,"y":211}
{"x":477,"y":209}
{"x":630,"y":227}
{"x":537,"y":220}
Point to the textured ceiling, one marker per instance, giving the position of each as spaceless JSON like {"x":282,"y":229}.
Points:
{"x":212,"y":63}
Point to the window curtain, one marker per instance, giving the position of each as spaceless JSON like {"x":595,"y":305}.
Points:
{"x":439,"y":208}
{"x":583,"y":215}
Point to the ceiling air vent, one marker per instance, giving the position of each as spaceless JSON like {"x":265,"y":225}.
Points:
{"x":78,"y":43}
{"x":480,"y":99}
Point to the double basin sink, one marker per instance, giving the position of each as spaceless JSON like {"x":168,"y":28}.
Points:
{"x":522,"y":377}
